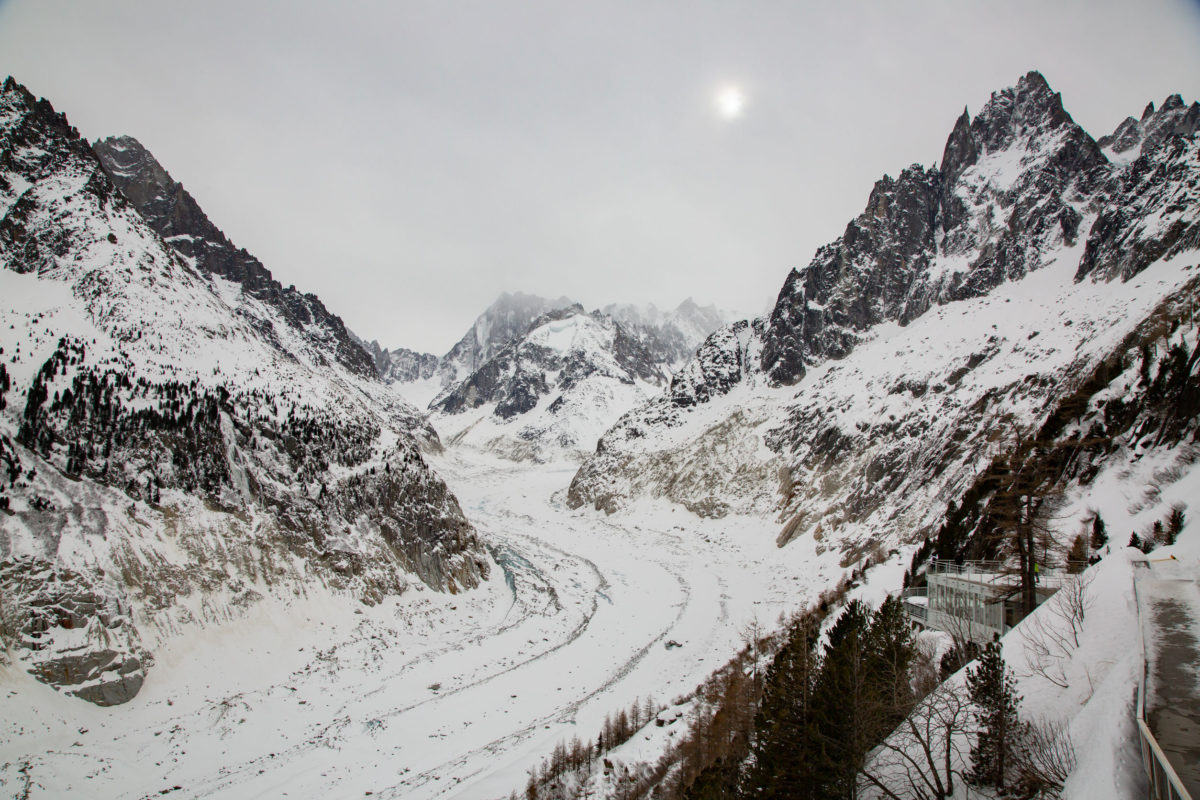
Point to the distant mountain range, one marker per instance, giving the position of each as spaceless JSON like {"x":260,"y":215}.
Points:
{"x":507,"y":362}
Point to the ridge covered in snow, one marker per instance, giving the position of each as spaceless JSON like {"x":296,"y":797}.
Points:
{"x":954,"y":311}
{"x":174,"y":447}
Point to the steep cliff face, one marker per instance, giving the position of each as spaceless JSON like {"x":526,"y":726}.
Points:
{"x":178,"y":435}
{"x":958,"y":307}
{"x":1012,"y":189}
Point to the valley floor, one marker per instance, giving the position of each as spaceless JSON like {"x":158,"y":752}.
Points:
{"x":428,"y":695}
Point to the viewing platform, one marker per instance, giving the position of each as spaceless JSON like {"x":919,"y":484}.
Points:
{"x":975,"y":600}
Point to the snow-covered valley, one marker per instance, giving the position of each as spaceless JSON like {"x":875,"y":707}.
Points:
{"x":428,"y":694}
{"x":234,"y":562}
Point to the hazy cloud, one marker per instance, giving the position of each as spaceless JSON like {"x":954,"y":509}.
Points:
{"x":408,"y":161}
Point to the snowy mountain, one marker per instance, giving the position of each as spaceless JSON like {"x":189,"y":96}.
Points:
{"x":510,"y":316}
{"x":671,"y":337}
{"x":422,"y":377}
{"x":502,"y":362}
{"x":551,"y":392}
{"x":180,"y":436}
{"x":176,"y":216}
{"x":1133,"y":136}
{"x":400,"y":365}
{"x":957,"y":310}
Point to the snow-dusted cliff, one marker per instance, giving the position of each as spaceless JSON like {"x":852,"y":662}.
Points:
{"x":175,"y":446}
{"x":960,"y":306}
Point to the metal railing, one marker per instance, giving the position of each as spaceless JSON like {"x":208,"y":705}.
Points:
{"x":1164,"y":782}
{"x":1000,"y":571}
{"x":918,"y":611}
{"x":947,"y":567}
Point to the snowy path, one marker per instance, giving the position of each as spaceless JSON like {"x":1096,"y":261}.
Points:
{"x":1172,"y":595}
{"x":430,"y":696}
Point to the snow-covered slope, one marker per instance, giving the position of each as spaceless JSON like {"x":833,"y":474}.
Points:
{"x":960,"y":307}
{"x":174,"y":448}
{"x":550,"y":393}
{"x":174,"y":214}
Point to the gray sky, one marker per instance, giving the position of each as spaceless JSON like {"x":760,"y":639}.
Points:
{"x":408,"y":161}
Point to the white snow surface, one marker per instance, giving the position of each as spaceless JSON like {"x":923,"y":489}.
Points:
{"x":320,"y":696}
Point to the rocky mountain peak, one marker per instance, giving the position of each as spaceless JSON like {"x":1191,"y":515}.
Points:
{"x":961,"y":149}
{"x":933,"y":235}
{"x":176,"y":216}
{"x":989,"y":289}
{"x":1134,"y":137}
{"x":1017,"y":112}
{"x":551,"y":392}
{"x":507,"y":318}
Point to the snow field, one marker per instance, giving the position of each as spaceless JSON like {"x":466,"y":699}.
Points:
{"x":321,"y":696}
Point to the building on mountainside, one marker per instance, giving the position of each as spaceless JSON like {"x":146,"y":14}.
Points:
{"x":974,"y":600}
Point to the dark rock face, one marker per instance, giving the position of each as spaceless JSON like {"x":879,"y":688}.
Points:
{"x":400,"y":365}
{"x":866,"y":277}
{"x":176,"y":216}
{"x":719,"y":365}
{"x":79,"y":634}
{"x":37,"y":142}
{"x":880,"y":269}
{"x":1134,"y":137}
{"x":1159,"y":185}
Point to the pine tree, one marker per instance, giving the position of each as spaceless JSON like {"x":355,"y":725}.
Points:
{"x":1158,"y":533}
{"x":845,"y":712}
{"x":1099,"y":532}
{"x":784,"y":750}
{"x":1175,"y":522}
{"x":993,"y":691}
{"x":1078,"y":554}
{"x":892,"y":651}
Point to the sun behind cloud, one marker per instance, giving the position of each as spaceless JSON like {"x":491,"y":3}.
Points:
{"x":729,"y":101}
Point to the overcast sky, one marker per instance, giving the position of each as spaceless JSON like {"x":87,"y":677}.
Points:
{"x":408,"y":161}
